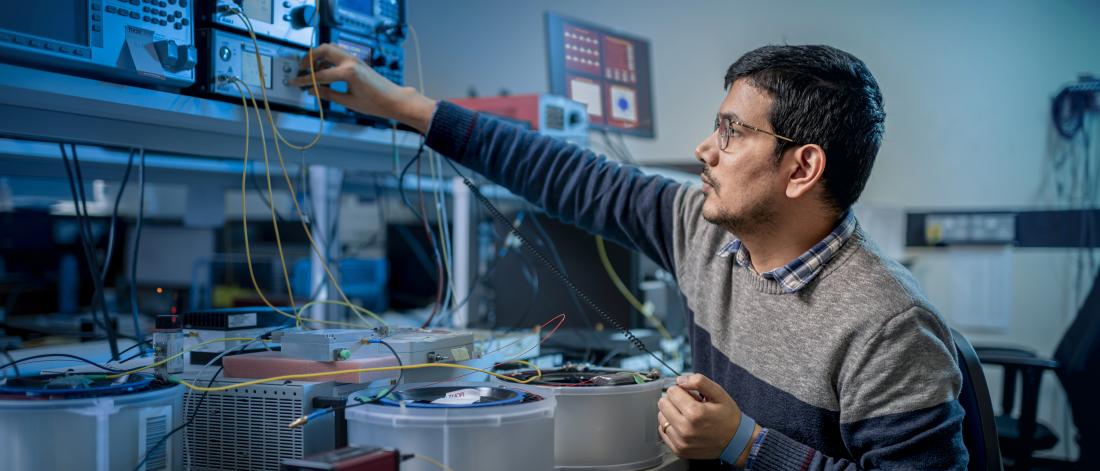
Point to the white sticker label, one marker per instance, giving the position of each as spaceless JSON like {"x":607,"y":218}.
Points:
{"x":459,"y":397}
{"x":460,"y":354}
{"x":242,"y":320}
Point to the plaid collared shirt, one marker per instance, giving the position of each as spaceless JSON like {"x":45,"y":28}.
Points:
{"x":800,"y":271}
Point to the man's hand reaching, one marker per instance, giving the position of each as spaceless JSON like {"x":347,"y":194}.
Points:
{"x":368,"y":92}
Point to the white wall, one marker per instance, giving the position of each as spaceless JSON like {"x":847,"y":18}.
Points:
{"x":967,"y":88}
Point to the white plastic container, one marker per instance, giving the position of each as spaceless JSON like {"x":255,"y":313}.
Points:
{"x":509,"y":437}
{"x":100,"y":433}
{"x":606,"y":428}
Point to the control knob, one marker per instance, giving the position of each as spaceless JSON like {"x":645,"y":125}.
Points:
{"x":174,"y":57}
{"x":304,"y":16}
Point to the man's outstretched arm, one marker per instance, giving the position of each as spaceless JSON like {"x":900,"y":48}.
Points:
{"x":568,"y":182}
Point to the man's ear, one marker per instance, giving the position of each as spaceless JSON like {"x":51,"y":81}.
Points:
{"x":805,"y":166}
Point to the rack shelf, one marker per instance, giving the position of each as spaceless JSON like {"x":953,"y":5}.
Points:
{"x":42,"y":105}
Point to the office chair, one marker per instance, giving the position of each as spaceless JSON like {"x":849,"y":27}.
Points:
{"x":979,"y":425}
{"x":1076,"y":364}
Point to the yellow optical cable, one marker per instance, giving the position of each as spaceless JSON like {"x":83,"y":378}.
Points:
{"x":243,"y":89}
{"x":432,"y":461}
{"x":263,"y":91}
{"x":245,"y":95}
{"x":437,"y":169}
{"x":356,"y":370}
{"x":647,"y":312}
{"x":282,"y":163}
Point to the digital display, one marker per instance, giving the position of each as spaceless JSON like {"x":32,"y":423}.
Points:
{"x":60,"y":20}
{"x":606,"y":70}
{"x":363,"y":7}
{"x":259,"y":10}
{"x":362,"y":51}
{"x":250,"y":74}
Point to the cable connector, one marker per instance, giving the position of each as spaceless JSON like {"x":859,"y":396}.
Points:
{"x":300,"y":421}
{"x":228,"y":9}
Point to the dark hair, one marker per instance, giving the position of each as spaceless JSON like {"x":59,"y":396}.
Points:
{"x":822,"y":96}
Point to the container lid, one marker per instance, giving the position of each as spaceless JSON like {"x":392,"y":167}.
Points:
{"x":72,"y":385}
{"x":454,"y":397}
{"x":505,"y":405}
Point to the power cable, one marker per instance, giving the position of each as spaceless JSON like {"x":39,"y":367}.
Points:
{"x":137,"y":245}
{"x":114,"y":216}
{"x":191,"y":419}
{"x":61,"y":355}
{"x":75,"y":182}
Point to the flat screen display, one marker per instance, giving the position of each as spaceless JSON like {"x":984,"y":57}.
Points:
{"x":60,"y":20}
{"x":259,"y":10}
{"x":362,"y":51}
{"x":362,"y":7}
{"x":606,"y":70}
{"x":251,"y":75}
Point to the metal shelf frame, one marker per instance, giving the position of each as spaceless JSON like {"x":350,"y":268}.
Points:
{"x":48,"y":106}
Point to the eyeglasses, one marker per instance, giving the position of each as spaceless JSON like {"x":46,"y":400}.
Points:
{"x":722,"y":126}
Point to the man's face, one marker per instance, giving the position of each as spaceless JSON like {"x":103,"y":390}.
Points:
{"x":742,"y":183}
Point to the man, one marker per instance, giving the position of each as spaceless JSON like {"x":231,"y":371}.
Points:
{"x":814,"y":350}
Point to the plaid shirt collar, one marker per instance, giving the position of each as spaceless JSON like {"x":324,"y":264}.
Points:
{"x":799,"y":272}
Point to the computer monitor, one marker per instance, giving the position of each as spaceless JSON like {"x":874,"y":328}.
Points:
{"x":607,"y":70}
{"x":528,"y":293}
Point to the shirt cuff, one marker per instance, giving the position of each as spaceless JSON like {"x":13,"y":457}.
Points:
{"x":756,"y":448}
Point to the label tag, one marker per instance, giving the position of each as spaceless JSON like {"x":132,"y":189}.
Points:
{"x":460,"y":354}
{"x":139,"y":43}
{"x":241,"y":320}
{"x":460,"y":397}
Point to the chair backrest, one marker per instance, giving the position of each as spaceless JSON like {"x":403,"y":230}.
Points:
{"x":979,"y":425}
{"x":1078,"y":357}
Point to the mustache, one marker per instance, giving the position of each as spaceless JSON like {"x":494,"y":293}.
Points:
{"x":709,"y":178}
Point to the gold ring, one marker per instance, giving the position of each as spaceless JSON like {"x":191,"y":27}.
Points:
{"x":664,"y":428}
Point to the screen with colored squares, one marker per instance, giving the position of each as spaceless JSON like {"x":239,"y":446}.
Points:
{"x":604,"y":69}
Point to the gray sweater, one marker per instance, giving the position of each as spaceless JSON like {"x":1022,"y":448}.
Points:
{"x":854,"y":371}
